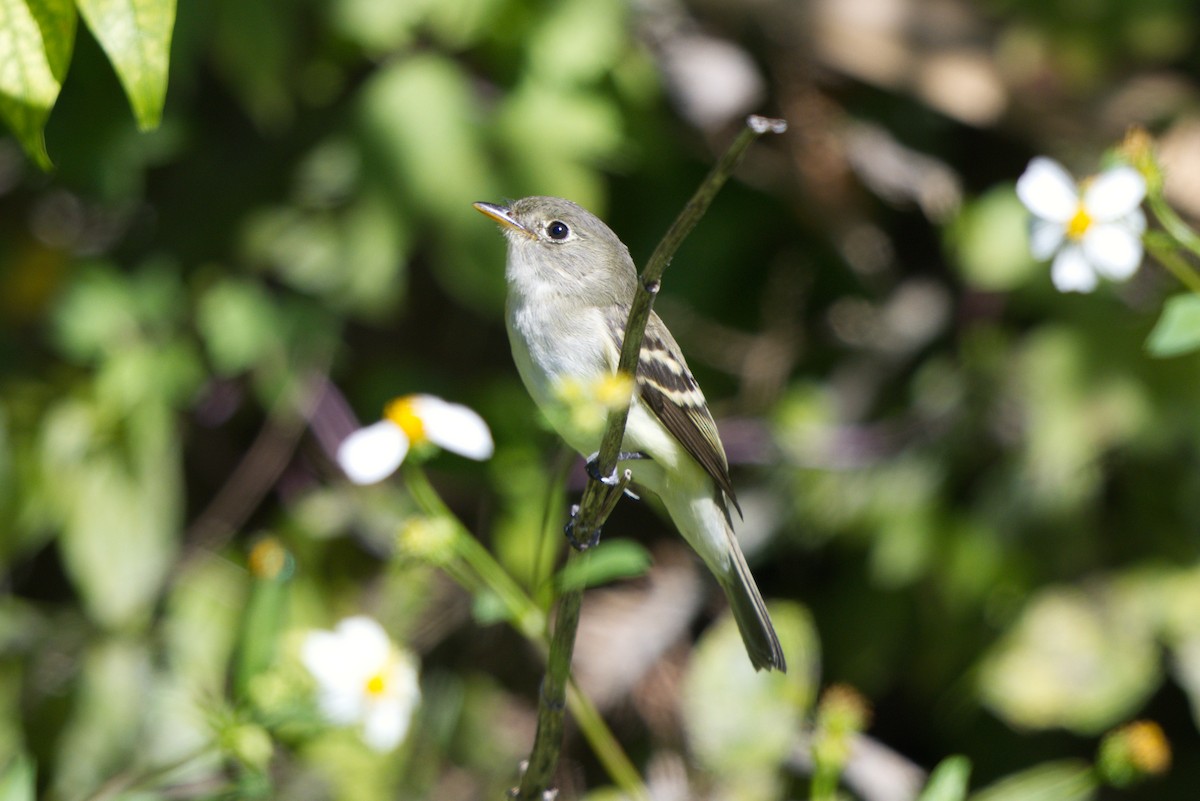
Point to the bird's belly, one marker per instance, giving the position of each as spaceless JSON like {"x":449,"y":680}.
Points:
{"x":551,"y":351}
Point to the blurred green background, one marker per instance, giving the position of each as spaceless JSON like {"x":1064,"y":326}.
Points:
{"x":979,"y":496}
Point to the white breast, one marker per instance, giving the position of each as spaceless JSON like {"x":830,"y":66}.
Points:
{"x":550,"y":344}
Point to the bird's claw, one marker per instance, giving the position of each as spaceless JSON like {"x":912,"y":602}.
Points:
{"x":613,"y":479}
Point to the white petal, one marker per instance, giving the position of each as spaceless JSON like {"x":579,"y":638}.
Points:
{"x":1114,"y":193}
{"x":1045,"y":237}
{"x":341,"y":706}
{"x":1113,"y":249}
{"x":373,"y":453}
{"x":455,"y":427}
{"x":387,"y":720}
{"x":1048,"y":190}
{"x":384,"y":727}
{"x":321,"y":655}
{"x":339,"y":685}
{"x":1135,"y":221}
{"x":1071,"y":271}
{"x":364,"y":643}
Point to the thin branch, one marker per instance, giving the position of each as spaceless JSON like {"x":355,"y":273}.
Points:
{"x":1163,"y":248}
{"x":599,"y":499}
{"x":259,"y":469}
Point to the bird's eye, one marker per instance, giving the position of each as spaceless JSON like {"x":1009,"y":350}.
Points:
{"x":557,"y":230}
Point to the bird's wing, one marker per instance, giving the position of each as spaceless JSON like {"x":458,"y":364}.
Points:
{"x":667,"y":387}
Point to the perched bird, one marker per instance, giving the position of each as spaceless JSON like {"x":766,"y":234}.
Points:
{"x":570,"y":285}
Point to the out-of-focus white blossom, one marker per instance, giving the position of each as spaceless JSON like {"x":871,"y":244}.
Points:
{"x":1093,"y":229}
{"x":363,"y":679}
{"x":374,"y":452}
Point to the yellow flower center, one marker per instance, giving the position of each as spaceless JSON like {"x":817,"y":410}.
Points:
{"x":376,"y":685}
{"x":1078,"y":225}
{"x":268,"y":558}
{"x":1148,"y":746}
{"x":403,"y":412}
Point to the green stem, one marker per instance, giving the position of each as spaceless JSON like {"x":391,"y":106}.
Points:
{"x":824,"y":783}
{"x":622,"y":771}
{"x":524,"y":614}
{"x":480,"y":570}
{"x":599,"y":499}
{"x":1167,"y":256}
{"x":1172,"y":223}
{"x":130,"y":781}
{"x":551,"y":705}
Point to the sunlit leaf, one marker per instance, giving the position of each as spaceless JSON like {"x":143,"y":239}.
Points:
{"x":1178,"y":328}
{"x":1074,"y":661}
{"x":989,"y":240}
{"x":202,"y":614}
{"x":737,"y":720}
{"x":120,"y":507}
{"x":612,"y":560}
{"x":1067,"y":780}
{"x":378,"y":26}
{"x":36,"y":41}
{"x":557,"y":135}
{"x":115,"y":689}
{"x":948,"y":782}
{"x":239,"y":325}
{"x":578,"y":41}
{"x":17,"y":779}
{"x":136,"y":37}
{"x":420,"y":116}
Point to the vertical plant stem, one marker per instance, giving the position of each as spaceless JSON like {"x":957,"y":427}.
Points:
{"x":552,"y":697}
{"x":1163,"y":249}
{"x":1171,"y":222}
{"x":598,"y":499}
{"x":477,"y":570}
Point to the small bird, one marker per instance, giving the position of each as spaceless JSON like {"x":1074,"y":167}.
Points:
{"x":571,"y":282}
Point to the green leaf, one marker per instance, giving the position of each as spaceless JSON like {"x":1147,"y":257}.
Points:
{"x":120,"y":503}
{"x":1066,"y":780}
{"x":989,"y":241}
{"x":136,"y":37}
{"x":948,"y":782}
{"x":199,"y":628}
{"x":420,"y":119}
{"x":1178,"y":329}
{"x":613,"y":559}
{"x":36,"y":41}
{"x":17,"y":780}
{"x":1075,"y":659}
{"x":117,"y":689}
{"x":741,"y":724}
{"x":239,"y":325}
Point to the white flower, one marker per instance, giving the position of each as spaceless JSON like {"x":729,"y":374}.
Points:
{"x":373,"y":453}
{"x":1092,"y":229}
{"x":363,"y":679}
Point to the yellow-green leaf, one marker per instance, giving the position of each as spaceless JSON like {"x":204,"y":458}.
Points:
{"x":136,"y":37}
{"x":36,"y":40}
{"x":17,"y":780}
{"x":741,"y":723}
{"x":1178,"y":329}
{"x":949,"y":780}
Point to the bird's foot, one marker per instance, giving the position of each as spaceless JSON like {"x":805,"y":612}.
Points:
{"x":613,"y":479}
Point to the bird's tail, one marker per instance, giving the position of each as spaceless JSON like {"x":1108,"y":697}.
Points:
{"x":750,"y":612}
{"x":703,"y":521}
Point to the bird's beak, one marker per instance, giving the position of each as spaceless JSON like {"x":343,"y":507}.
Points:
{"x":504,"y":216}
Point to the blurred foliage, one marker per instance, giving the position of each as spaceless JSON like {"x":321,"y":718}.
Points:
{"x":970,"y":497}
